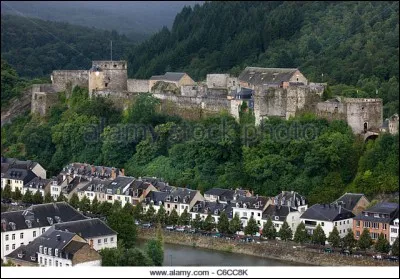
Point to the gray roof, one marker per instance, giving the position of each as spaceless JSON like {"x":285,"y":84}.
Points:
{"x":20,"y":174}
{"x":159,"y":184}
{"x":181,"y":195}
{"x":119,"y":183}
{"x":170,"y":76}
{"x":7,"y":163}
{"x":255,"y":202}
{"x":259,"y":76}
{"x":273,"y":211}
{"x":290,"y":198}
{"x":349,"y":200}
{"x":96,"y":185}
{"x":226,"y":194}
{"x":155,"y":197}
{"x":88,"y":170}
{"x":37,"y":183}
{"x":87,"y":228}
{"x":42,"y":215}
{"x":215,"y":208}
{"x":387,"y":212}
{"x":327,"y":212}
{"x":48,"y":239}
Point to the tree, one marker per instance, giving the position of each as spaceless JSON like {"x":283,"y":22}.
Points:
{"x":27,"y":198}
{"x":269,"y":230}
{"x":150,"y":214}
{"x":197,"y":223}
{"x":184,"y":219}
{"x":61,"y":198}
{"x":17,"y":195}
{"x":95,"y":205}
{"x":161,"y":215}
{"x":6,"y":193}
{"x":116,"y":206}
{"x":348,"y":240}
{"x":105,"y":208}
{"x":318,"y":236}
{"x":382,"y":244}
{"x":285,"y":233}
{"x":235,"y":225}
{"x":301,"y":236}
{"x":209,"y":223}
{"x":138,"y":212}
{"x":84,"y":204}
{"x":74,"y":201}
{"x":111,"y":256}
{"x":334,"y":238}
{"x":136,"y":257}
{"x":395,"y":247}
{"x":173,"y":217}
{"x":252,"y":227}
{"x":365,"y":240}
{"x":37,"y":197}
{"x":48,"y":198}
{"x":223,"y":223}
{"x":155,"y":251}
{"x":124,"y":225}
{"x":128,"y":208}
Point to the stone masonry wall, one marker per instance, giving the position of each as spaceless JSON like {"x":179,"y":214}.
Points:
{"x":43,"y":98}
{"x":360,"y":111}
{"x":67,"y":79}
{"x":138,"y":85}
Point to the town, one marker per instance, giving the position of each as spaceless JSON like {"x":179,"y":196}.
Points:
{"x":58,"y":221}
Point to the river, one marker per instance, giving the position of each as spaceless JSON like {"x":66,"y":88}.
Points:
{"x":180,"y":255}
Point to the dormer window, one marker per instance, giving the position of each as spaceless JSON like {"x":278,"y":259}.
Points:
{"x":376,"y":215}
{"x":168,"y":199}
{"x":12,"y":225}
{"x":41,"y":249}
{"x":176,"y":199}
{"x":33,"y":258}
{"x":276,"y":218}
{"x":50,"y":251}
{"x":28,"y":224}
{"x":45,"y":250}
{"x":50,"y":220}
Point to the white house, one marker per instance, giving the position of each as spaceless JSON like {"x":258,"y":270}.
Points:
{"x":328,"y":216}
{"x":181,"y":199}
{"x":394,"y":230}
{"x":56,"y":248}
{"x":37,"y":184}
{"x":17,"y":178}
{"x":247,"y":207}
{"x":23,"y":226}
{"x":203,"y":208}
{"x":154,"y":198}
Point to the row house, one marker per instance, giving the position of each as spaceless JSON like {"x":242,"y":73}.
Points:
{"x":354,"y":202}
{"x":158,"y":183}
{"x":155,"y":199}
{"x":17,"y":178}
{"x":225,"y":195}
{"x":376,"y":219}
{"x":139,"y":190}
{"x":394,"y":230}
{"x":23,"y":226}
{"x":287,"y":206}
{"x":90,"y":171}
{"x":247,"y":207}
{"x":56,"y":248}
{"x":37,"y":184}
{"x":181,"y":199}
{"x":56,"y":186}
{"x":15,"y":164}
{"x":328,"y":216}
{"x":203,"y":208}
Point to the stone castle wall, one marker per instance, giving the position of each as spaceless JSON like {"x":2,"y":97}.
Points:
{"x":44,"y":98}
{"x":364,"y":111}
{"x":138,"y":85}
{"x":67,"y":79}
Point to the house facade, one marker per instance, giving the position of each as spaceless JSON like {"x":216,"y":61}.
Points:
{"x":394,"y":231}
{"x":354,"y":202}
{"x":247,"y":207}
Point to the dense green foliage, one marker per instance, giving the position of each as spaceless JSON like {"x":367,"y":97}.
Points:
{"x":36,"y":47}
{"x":365,"y":240}
{"x":382,"y":244}
{"x":301,"y":235}
{"x":348,"y":241}
{"x":334,"y":238}
{"x":318,"y":236}
{"x":251,"y":227}
{"x":395,"y":247}
{"x":351,"y":45}
{"x":223,"y":223}
{"x":285,"y":233}
{"x":269,"y":230}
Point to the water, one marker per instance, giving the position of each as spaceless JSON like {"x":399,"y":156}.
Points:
{"x":180,"y":255}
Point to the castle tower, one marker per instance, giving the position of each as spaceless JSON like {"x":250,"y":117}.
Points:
{"x":108,"y":75}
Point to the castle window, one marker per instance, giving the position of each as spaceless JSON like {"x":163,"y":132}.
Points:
{"x":115,"y":65}
{"x":106,"y":84}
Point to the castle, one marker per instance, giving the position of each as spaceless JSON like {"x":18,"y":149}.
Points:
{"x":267,"y":91}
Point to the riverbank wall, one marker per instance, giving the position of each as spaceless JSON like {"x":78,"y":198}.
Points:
{"x":277,"y":250}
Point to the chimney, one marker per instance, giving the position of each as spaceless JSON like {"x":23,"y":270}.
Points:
{"x":58,"y":237}
{"x":340,"y":208}
{"x":4,"y":226}
{"x":123,"y":172}
{"x":93,"y":170}
{"x":113,"y":173}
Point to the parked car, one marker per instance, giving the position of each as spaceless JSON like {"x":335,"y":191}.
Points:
{"x":146,"y":225}
{"x":345,"y":252}
{"x":377,"y":257}
{"x":180,"y":229}
{"x":6,"y":200}
{"x":192,"y":230}
{"x":393,"y":258}
{"x":137,"y":222}
{"x":328,"y":250}
{"x":216,"y":235}
{"x":170,"y":227}
{"x":205,"y":233}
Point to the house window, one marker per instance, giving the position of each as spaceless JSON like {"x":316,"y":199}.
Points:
{"x":34,"y":233}
{"x":384,"y":226}
{"x":40,"y":260}
{"x":276,"y":225}
{"x":374,"y":235}
{"x":45,"y":250}
{"x":7,"y":247}
{"x":6,"y":237}
{"x":13,"y":246}
{"x":13,"y":236}
{"x":66,"y":264}
{"x":357,"y":234}
{"x":105,"y":240}
{"x":21,"y":236}
{"x":183,"y":207}
{"x":357,"y":224}
{"x":393,"y":230}
{"x":348,"y":221}
{"x":43,"y":230}
{"x":168,"y":205}
{"x":252,"y":213}
{"x":367,"y":224}
{"x":45,"y":261}
{"x":60,"y":264}
{"x":56,"y":263}
{"x":99,"y":241}
{"x":340,"y":223}
{"x":49,"y":262}
{"x":335,"y":224}
{"x":375,"y":225}
{"x":176,"y":206}
{"x":21,"y":243}
{"x":244,"y":214}
{"x":322,"y":224}
{"x":112,"y":239}
{"x":258,"y":214}
{"x":340,"y":231}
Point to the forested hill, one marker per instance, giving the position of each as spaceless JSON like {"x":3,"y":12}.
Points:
{"x":36,"y":47}
{"x":351,"y":43}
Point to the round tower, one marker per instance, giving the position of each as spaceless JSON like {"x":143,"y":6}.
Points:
{"x":108,"y":75}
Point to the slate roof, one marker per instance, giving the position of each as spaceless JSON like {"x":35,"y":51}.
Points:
{"x":387,"y":212}
{"x":181,"y":195}
{"x":8,"y":163}
{"x":349,"y":200}
{"x":326,"y":212}
{"x":96,"y":185}
{"x":66,"y":246}
{"x":255,"y":202}
{"x":290,"y":198}
{"x":37,"y":183}
{"x":158,"y":184}
{"x":37,"y":216}
{"x":169,"y":76}
{"x":259,"y":76}
{"x":88,"y":228}
{"x":215,"y":208}
{"x":20,"y":174}
{"x":88,"y":170}
{"x":156,"y":197}
{"x":226,"y":195}
{"x":119,"y":184}
{"x":273,"y":211}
